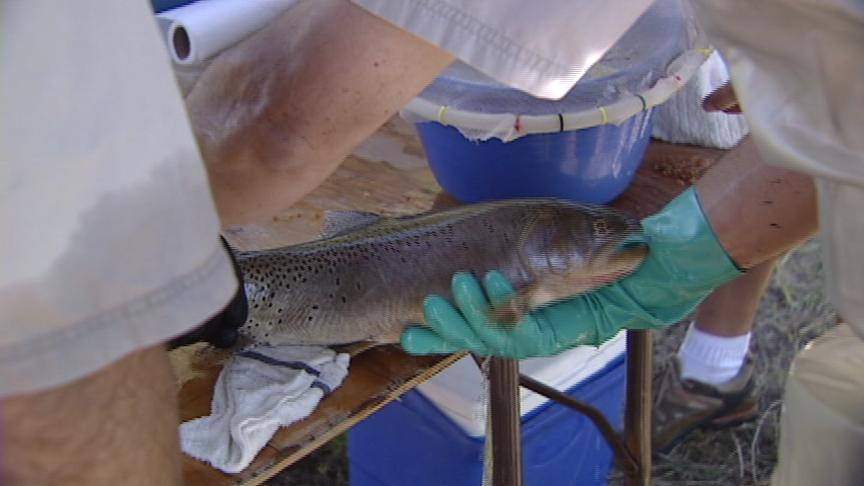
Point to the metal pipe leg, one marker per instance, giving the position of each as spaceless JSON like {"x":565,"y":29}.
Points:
{"x":506,"y":422}
{"x":637,"y":418}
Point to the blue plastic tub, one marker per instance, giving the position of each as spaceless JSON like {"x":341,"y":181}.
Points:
{"x":593,"y":165}
{"x":411,"y":442}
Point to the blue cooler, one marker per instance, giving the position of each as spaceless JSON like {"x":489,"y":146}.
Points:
{"x":434,"y":435}
{"x":486,"y":141}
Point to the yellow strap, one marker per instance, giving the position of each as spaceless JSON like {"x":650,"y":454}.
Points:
{"x":441,"y":110}
{"x":604,"y":114}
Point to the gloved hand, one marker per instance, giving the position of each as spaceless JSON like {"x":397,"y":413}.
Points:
{"x":221,"y":329}
{"x":685,"y":263}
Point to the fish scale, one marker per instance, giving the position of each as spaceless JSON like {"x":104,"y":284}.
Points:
{"x":368,"y":282}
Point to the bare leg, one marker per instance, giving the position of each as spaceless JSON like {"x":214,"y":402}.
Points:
{"x":757,"y":211}
{"x":729,"y":311}
{"x":116,"y":426}
{"x":717,"y":343}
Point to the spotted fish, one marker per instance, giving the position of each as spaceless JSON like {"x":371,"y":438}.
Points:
{"x":367,"y":278}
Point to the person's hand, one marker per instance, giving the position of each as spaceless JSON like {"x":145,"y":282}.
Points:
{"x":684,"y":264}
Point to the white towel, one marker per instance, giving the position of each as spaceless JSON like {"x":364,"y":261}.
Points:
{"x":682,"y":119}
{"x":258,"y":391}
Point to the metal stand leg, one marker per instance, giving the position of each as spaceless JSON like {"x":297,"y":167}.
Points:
{"x":633,"y":452}
{"x":637,"y":418}
{"x":506,"y":422}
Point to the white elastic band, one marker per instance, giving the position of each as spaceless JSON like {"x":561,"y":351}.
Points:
{"x":684,"y":67}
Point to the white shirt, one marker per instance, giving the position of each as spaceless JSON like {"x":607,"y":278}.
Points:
{"x":542,"y":47}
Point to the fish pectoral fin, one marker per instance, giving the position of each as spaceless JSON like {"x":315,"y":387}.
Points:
{"x":510,"y":311}
{"x":550,"y":289}
{"x":557,"y":287}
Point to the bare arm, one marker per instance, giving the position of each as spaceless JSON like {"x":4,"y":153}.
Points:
{"x":278,"y":113}
{"x":117,"y":426}
{"x":757,"y":211}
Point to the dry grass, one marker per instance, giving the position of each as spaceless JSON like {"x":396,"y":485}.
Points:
{"x":792,"y":313}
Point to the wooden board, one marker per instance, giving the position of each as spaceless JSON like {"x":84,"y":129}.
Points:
{"x":387,"y":175}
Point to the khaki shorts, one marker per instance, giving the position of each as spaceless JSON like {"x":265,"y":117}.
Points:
{"x":822,"y":426}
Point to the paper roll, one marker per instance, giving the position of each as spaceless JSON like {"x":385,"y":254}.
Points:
{"x":200,"y":30}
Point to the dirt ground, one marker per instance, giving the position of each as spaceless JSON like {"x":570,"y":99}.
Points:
{"x":792,"y":312}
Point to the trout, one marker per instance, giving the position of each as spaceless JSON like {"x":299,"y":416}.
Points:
{"x":365,"y":281}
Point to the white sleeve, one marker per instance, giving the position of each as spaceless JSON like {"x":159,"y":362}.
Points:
{"x":797,"y":70}
{"x":110,"y":236}
{"x":542,"y":47}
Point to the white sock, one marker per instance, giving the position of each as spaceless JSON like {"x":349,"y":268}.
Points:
{"x":712,"y":359}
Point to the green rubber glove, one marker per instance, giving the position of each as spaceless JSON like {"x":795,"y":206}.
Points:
{"x":685,"y":263}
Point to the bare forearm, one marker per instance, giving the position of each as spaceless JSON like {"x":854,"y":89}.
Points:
{"x":278,"y":113}
{"x":757,"y":211}
{"x":117,"y":426}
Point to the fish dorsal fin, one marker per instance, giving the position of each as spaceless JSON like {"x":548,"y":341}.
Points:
{"x":340,"y":221}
